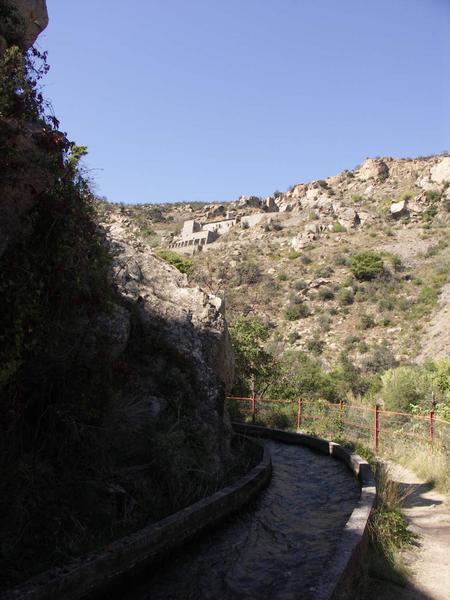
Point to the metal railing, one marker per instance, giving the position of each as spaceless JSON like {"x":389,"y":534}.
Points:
{"x":369,"y":425}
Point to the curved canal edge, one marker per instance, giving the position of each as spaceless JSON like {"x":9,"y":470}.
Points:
{"x":94,"y":574}
{"x":345,"y":574}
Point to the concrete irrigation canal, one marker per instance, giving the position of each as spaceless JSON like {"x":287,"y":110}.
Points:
{"x":279,"y":547}
{"x":298,"y":535}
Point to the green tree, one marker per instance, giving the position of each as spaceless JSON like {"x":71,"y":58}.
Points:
{"x":255,"y":367}
{"x":301,"y":376}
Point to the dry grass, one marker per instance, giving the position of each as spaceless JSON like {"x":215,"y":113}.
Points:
{"x":430,"y":464}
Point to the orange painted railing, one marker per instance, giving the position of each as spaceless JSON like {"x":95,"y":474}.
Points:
{"x":365,"y":423}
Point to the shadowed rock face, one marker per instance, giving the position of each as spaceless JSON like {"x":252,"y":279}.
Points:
{"x":134,"y":350}
{"x":19,"y":192}
{"x":178,"y":343}
{"x":35,"y":17}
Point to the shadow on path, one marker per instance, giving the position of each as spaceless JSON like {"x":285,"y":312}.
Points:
{"x":414,"y":494}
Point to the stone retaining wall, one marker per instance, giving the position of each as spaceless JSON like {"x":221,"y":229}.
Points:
{"x":344,"y":576}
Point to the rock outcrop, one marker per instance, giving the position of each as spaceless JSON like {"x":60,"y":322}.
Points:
{"x":27,"y":20}
{"x":25,"y":148}
{"x":440,"y":173}
{"x":192,"y":347}
{"x":373,"y":168}
{"x":35,"y":17}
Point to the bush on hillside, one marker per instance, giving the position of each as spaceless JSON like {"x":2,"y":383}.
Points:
{"x":248,"y":273}
{"x":326,"y":293}
{"x":296,"y":311}
{"x":184,"y":265}
{"x":366,"y":265}
{"x":345,"y":296}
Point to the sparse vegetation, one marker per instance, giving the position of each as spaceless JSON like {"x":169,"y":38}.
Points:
{"x":338,"y":228}
{"x":184,"y":265}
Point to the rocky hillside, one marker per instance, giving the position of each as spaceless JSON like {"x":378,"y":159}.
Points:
{"x":294,"y":270}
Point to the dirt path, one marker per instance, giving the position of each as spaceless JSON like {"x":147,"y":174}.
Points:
{"x":428,"y":513}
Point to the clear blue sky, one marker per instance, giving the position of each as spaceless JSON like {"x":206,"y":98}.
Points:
{"x":211,"y":99}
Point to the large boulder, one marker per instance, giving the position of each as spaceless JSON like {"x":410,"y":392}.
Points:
{"x":346,"y":216}
{"x":441,"y":172}
{"x":249,"y":202}
{"x":35,"y":18}
{"x":373,"y":168}
{"x":399,"y":209}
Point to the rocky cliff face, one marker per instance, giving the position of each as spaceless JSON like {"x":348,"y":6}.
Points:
{"x":27,"y":146}
{"x":113,"y":368}
{"x":174,"y":341}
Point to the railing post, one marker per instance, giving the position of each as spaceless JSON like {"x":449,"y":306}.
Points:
{"x":376,"y":427}
{"x":431,"y":426}
{"x":253,"y":409}
{"x":432,"y":415}
{"x":299,"y":414}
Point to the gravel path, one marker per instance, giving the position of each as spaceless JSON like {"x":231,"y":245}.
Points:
{"x":428,"y":513}
{"x":277,"y":549}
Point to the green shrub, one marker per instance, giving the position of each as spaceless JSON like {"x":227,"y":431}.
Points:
{"x":302,"y":376}
{"x":293,"y":254}
{"x":366,"y":265}
{"x":386,"y":303}
{"x":326,"y":293}
{"x":315,"y":345}
{"x":283,"y":277}
{"x":324,"y":322}
{"x":345,"y":296}
{"x":305,"y":259}
{"x":296,"y":311}
{"x":184,"y":265}
{"x":341,"y":261}
{"x":299,"y":285}
{"x":338,"y":228}
{"x":324,"y":271}
{"x":248,"y":273}
{"x":381,"y":359}
{"x":363,"y":347}
{"x":293,"y":337}
{"x":406,"y":196}
{"x":405,"y":387}
{"x":433,"y":195}
{"x":395,"y":261}
{"x":367,"y":321}
{"x":350,"y":341}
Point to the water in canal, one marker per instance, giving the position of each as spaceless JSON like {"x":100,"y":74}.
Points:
{"x":276,"y":549}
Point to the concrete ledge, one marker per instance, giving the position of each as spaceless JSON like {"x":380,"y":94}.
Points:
{"x":93,"y":574}
{"x":345,"y":573}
